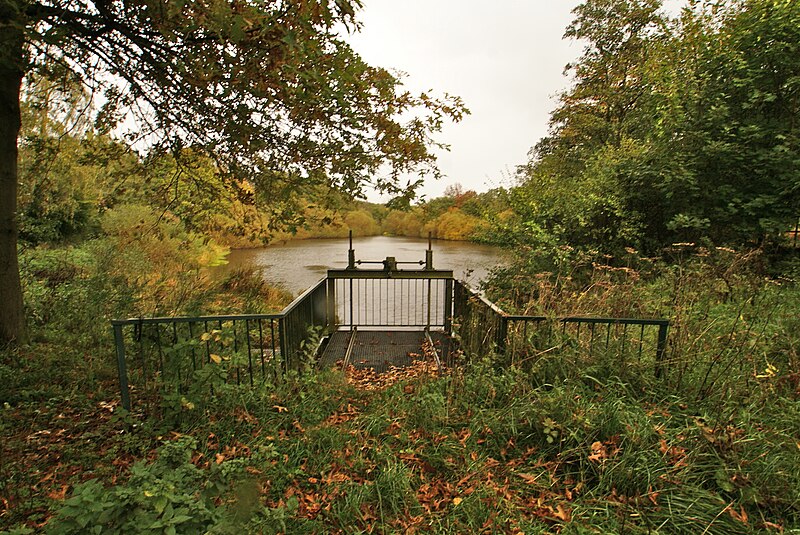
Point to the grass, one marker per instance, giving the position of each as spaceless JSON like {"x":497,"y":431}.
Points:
{"x":563,"y":443}
{"x":474,"y":450}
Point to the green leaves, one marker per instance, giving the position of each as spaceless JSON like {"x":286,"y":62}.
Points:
{"x":673,"y":132}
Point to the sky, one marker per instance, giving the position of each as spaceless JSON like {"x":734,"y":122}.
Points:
{"x":504,"y":58}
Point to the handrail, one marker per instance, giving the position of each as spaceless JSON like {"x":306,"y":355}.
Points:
{"x":589,"y":319}
{"x":270,"y":336}
{"x":300,"y":298}
{"x":195,"y":319}
{"x":174,"y":348}
{"x":494,"y":329}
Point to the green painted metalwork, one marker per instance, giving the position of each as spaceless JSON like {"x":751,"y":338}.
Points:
{"x":266,"y":346}
{"x":484,"y":327}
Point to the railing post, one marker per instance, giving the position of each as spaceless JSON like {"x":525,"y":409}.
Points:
{"x":448,"y":306}
{"x":283,"y":343}
{"x":428,"y":320}
{"x":331,"y":305}
{"x":502,"y":333}
{"x":352,"y":321}
{"x":661,"y":349}
{"x":124,"y":390}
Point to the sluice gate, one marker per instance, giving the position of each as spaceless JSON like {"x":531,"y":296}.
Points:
{"x":366,"y":317}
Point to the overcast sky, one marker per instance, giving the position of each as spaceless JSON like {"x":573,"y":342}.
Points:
{"x":504,"y":58}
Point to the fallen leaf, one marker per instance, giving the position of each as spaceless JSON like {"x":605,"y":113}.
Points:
{"x":562,"y":513}
{"x":740,"y":515}
{"x":599,"y":452}
{"x":59,"y":494}
{"x":530,"y":479}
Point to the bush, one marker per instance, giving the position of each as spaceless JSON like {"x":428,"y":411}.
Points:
{"x":171,"y":495}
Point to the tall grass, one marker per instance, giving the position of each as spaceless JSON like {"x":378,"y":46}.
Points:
{"x":566,"y":441}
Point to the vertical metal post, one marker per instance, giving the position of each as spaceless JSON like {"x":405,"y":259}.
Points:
{"x":428,"y":322}
{"x":249,"y":350}
{"x":272,"y":343}
{"x":351,"y":304}
{"x":194,"y":355}
{"x":429,"y":253}
{"x":351,"y":254}
{"x":261,"y":348}
{"x":124,"y":390}
{"x":236,"y":351}
{"x":283,"y":343}
{"x":661,"y":349}
{"x":502,"y":334}
{"x":176,"y":357}
{"x":331,"y":305}
{"x":448,"y":306}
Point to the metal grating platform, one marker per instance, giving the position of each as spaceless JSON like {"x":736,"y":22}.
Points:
{"x":381,"y":349}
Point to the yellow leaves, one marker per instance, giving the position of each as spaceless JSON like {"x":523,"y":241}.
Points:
{"x":457,"y":501}
{"x":216,"y":359}
{"x":769,"y":372}
{"x":280,"y":408}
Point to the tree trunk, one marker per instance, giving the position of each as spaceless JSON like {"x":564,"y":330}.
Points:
{"x":12,"y":323}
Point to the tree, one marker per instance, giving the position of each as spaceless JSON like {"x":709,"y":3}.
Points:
{"x":571,"y":191}
{"x":673,"y":131}
{"x":265,"y":87}
{"x":608,"y":86}
{"x":726,"y":127}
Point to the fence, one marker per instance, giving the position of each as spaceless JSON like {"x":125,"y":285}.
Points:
{"x":186,"y":352}
{"x":484,"y":327}
{"x":156,"y":352}
{"x":394,"y":299}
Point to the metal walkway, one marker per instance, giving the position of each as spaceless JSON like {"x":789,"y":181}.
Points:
{"x":381,"y":350}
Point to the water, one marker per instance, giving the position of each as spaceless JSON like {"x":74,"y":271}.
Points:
{"x":296,"y":265}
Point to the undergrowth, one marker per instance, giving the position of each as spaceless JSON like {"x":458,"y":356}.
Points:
{"x":479,"y":449}
{"x":560,"y":442}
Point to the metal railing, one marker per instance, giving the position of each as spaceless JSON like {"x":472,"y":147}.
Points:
{"x":485,"y":327}
{"x":302,"y":321}
{"x":154,"y":353}
{"x":178,"y":354}
{"x":397,"y":299}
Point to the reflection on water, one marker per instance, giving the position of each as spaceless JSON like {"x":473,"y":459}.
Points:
{"x":296,"y":265}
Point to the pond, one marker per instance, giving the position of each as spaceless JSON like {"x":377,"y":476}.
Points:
{"x":297,"y":265}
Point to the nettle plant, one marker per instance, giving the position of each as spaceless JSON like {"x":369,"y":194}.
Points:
{"x":172,"y":495}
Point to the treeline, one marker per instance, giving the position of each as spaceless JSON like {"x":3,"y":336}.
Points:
{"x":674,"y":130}
{"x":76,"y":183}
{"x":457,"y":215}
